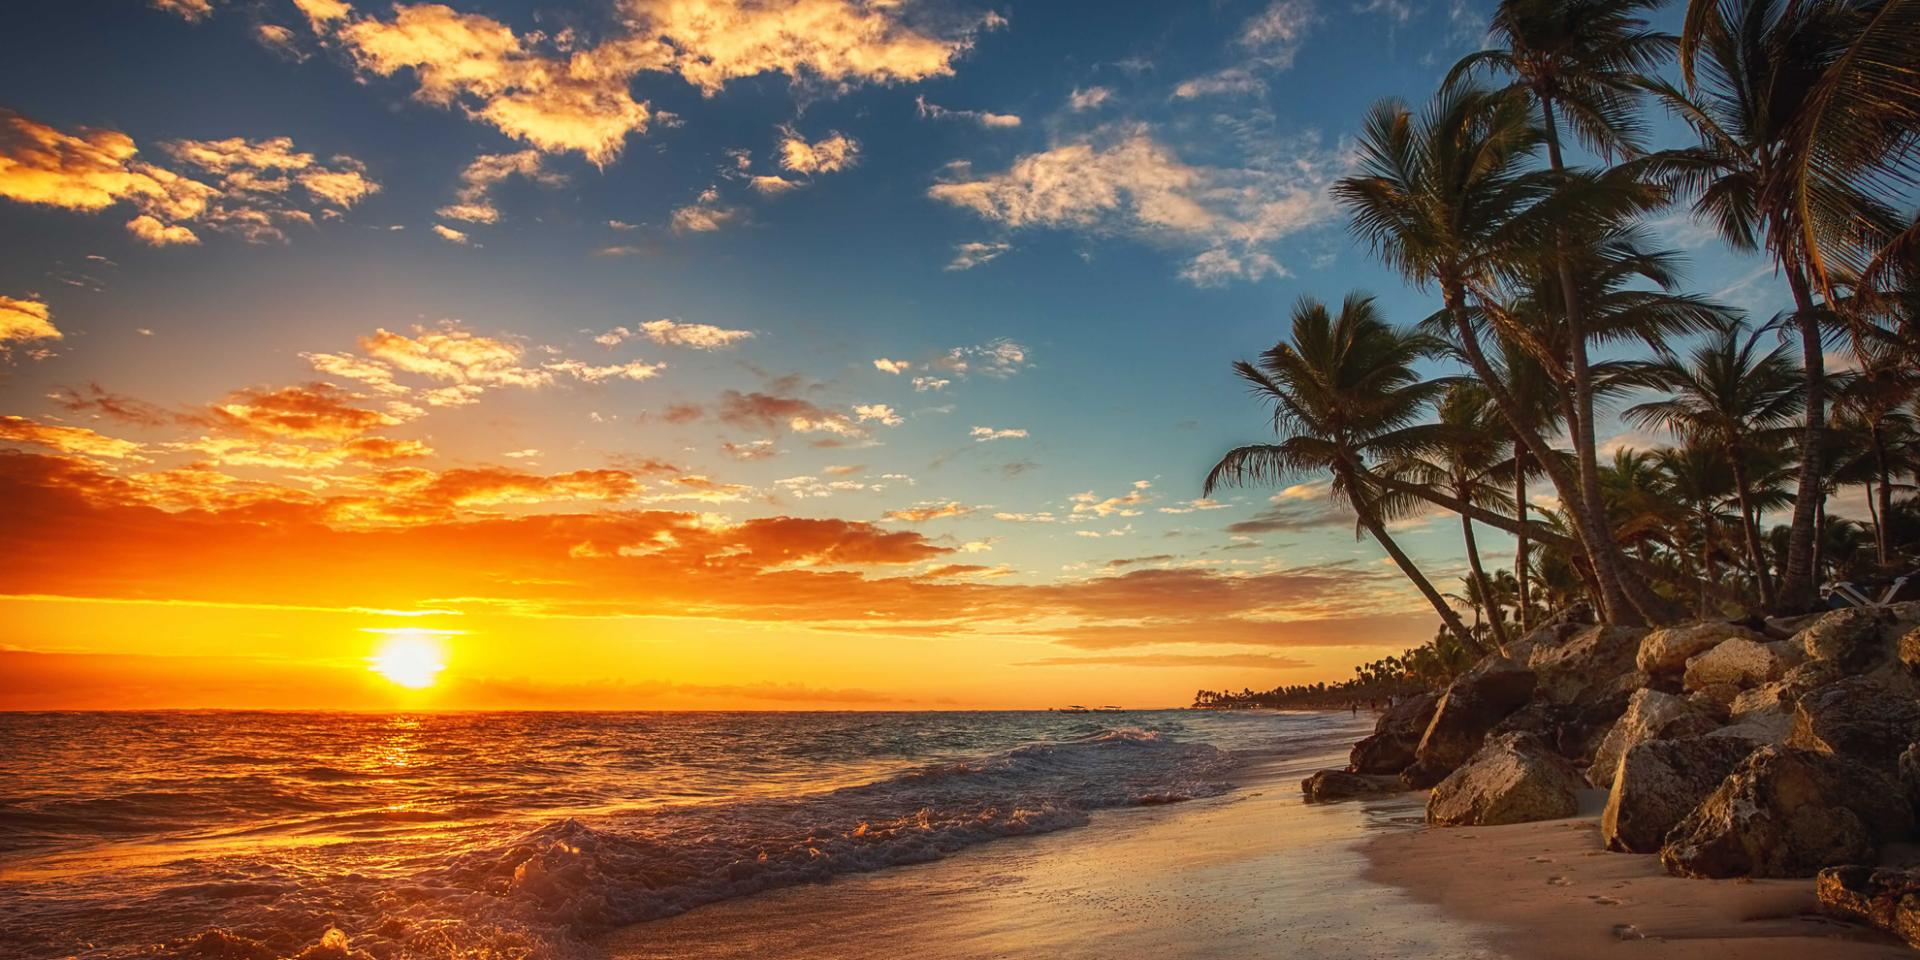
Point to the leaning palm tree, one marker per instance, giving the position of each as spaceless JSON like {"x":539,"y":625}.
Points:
{"x":1469,"y":445}
{"x":1580,"y":62}
{"x":1729,"y":394}
{"x":1443,"y":199}
{"x":1760,"y":72}
{"x":1873,"y":408}
{"x":1345,"y":396}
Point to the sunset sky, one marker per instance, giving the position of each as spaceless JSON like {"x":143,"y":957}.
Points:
{"x":683,"y":353}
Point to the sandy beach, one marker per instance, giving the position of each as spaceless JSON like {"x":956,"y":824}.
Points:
{"x":1258,"y":870}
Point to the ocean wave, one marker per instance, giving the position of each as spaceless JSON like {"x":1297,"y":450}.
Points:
{"x":542,"y":890}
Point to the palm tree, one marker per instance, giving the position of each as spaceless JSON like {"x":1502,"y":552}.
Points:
{"x":1872,"y":407}
{"x":1344,"y":395}
{"x":1699,"y":479}
{"x":1581,"y":60}
{"x":1469,"y":446}
{"x":1729,"y":395}
{"x":1762,"y":73}
{"x":1441,"y":200}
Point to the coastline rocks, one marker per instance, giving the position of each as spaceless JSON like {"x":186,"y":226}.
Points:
{"x":1514,"y":778}
{"x":1472,"y":705}
{"x":1650,"y":715}
{"x":1666,"y":650}
{"x":1395,"y":736}
{"x":1330,"y":785}
{"x":1888,"y":899}
{"x":1908,"y":650}
{"x":1659,"y":783}
{"x":1908,"y":769}
{"x":1588,"y":662}
{"x":1785,"y":812}
{"x":1856,"y":718}
{"x":1738,"y":663}
{"x":1848,"y":638}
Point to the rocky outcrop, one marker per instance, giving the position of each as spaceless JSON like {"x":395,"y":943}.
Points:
{"x":1666,"y":650}
{"x":1908,"y":650}
{"x":1888,"y":899}
{"x":1589,"y":662}
{"x":1650,"y":715}
{"x":1661,"y":781}
{"x":1738,"y":663}
{"x":1514,"y":778}
{"x":1850,"y":639}
{"x":1329,"y":785}
{"x":1908,"y":770}
{"x":1857,"y":718}
{"x":1395,"y":737}
{"x":1472,"y":705}
{"x":1785,"y":812}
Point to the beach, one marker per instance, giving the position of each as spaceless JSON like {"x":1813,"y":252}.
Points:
{"x":1258,"y":870}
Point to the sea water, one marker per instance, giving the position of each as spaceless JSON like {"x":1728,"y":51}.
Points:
{"x":479,"y":835}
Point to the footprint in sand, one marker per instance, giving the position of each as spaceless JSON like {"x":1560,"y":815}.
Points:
{"x":1605,"y":901}
{"x":1541,"y":859}
{"x":1627,"y":931}
{"x":1559,"y":881}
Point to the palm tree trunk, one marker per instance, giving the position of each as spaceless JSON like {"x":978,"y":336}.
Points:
{"x":1520,"y":538}
{"x":1706,"y":559}
{"x":1615,"y":607}
{"x":1545,"y":535}
{"x":1481,"y":583}
{"x":1364,"y":509}
{"x":1797,"y":589}
{"x":1750,"y":524}
{"x":1580,"y":425}
{"x":1880,"y":497}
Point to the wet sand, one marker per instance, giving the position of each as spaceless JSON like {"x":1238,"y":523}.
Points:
{"x":1254,"y":873}
{"x":1551,"y":891}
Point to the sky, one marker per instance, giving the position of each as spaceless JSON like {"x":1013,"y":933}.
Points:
{"x":685,"y":354}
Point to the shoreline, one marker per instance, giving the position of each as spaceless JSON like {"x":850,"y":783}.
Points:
{"x":1548,"y":890}
{"x":1221,"y":877}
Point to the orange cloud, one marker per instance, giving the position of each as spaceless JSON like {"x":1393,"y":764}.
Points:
{"x":26,"y":319}
{"x":314,"y":411}
{"x":74,"y":440}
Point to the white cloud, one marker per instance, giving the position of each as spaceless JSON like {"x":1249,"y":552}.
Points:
{"x":1125,"y":182}
{"x":831,"y":154}
{"x":673,"y":333}
{"x":879,"y":412}
{"x":984,"y":434}
{"x":927,"y":384}
{"x":451,"y":235}
{"x":892,"y":366}
{"x":1268,"y":42}
{"x":1089,"y":99}
{"x":991,"y":121}
{"x":474,"y":200}
{"x":968,"y":255}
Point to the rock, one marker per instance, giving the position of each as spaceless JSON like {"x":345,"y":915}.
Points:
{"x":1850,"y":639}
{"x":1589,"y":660}
{"x":1738,"y":663}
{"x":1473,"y":703}
{"x":1908,"y":768}
{"x":1858,"y":718}
{"x":1330,"y":785}
{"x":1775,"y":696}
{"x":1666,"y":650}
{"x":1884,"y":898}
{"x":1908,"y":650}
{"x":1715,"y":698}
{"x":1661,"y":781}
{"x":1650,"y":715}
{"x":1758,"y":728}
{"x":1785,"y":812}
{"x":1395,"y":735}
{"x":1514,"y":778}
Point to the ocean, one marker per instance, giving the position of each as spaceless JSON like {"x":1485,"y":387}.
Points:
{"x":521,"y":835}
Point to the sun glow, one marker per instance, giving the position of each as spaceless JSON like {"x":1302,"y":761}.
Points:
{"x":410,"y":658}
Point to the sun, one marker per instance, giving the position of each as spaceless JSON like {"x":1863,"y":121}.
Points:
{"x":410,"y":658}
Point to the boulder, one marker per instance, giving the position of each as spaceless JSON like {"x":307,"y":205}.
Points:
{"x":1858,"y":718}
{"x":1329,"y":785}
{"x":1715,"y":698}
{"x":1473,"y":703}
{"x":1514,"y":778}
{"x":1666,"y":650}
{"x":1785,"y":812}
{"x":1908,"y":769}
{"x":1661,"y":781}
{"x":1884,"y":898}
{"x":1908,"y":650}
{"x":1738,"y":663}
{"x":1395,"y":736}
{"x":1758,"y":727}
{"x":1849,"y":639}
{"x":1590,"y":660}
{"x":1650,"y":715}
